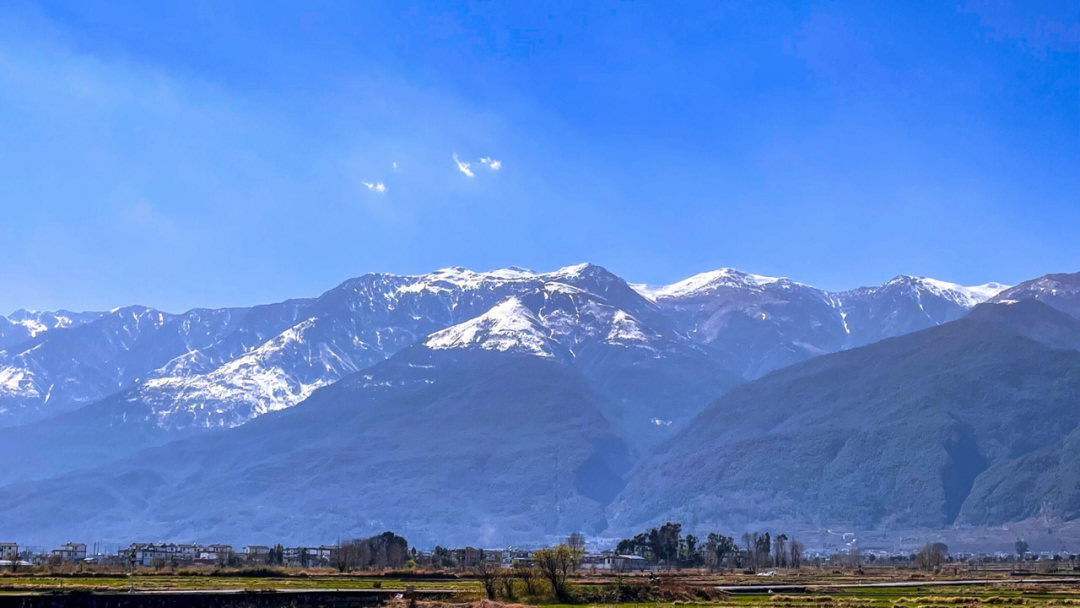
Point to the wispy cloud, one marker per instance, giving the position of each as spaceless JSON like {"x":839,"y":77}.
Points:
{"x":395,"y":166}
{"x":377,"y":186}
{"x":463,"y":167}
{"x":491,"y":163}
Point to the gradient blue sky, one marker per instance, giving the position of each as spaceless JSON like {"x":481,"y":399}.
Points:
{"x":181,"y":154}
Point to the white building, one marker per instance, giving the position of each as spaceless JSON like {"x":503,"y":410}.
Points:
{"x":70,"y":552}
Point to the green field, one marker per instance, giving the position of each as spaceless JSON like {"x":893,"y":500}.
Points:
{"x":201,"y":582}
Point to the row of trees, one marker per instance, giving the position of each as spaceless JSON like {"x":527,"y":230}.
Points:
{"x":668,"y":546}
{"x":763,"y":551}
{"x":508,"y":581}
{"x":552,"y":566}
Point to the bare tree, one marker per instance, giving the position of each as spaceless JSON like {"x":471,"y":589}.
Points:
{"x":556,"y":565}
{"x":931,"y":557}
{"x":527,"y":576}
{"x":489,"y":578}
{"x":576,"y":541}
{"x":796,"y":551}
{"x":780,"y":550}
{"x":748,"y":543}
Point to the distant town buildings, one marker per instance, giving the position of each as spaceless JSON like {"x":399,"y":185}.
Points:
{"x":69,"y":552}
{"x":156,"y":554}
{"x":469,"y":557}
{"x":9,"y":551}
{"x":160,"y":554}
{"x":610,"y":561}
{"x":307,"y":556}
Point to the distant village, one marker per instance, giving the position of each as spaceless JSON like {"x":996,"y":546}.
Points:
{"x":662,"y":548}
{"x":161,"y":555}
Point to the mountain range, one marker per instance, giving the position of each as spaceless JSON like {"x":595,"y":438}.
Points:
{"x":974,"y":422}
{"x":505,"y":405}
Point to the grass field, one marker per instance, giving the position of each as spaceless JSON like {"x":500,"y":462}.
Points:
{"x":256,"y":583}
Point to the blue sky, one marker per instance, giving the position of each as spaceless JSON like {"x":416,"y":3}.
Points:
{"x":181,"y":154}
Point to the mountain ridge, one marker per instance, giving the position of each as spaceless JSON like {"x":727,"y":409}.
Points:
{"x":173,"y":348}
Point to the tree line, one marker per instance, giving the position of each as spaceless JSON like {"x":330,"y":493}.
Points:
{"x":666,"y":545}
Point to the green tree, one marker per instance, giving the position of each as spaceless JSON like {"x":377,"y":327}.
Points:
{"x":1021,"y":548}
{"x":719,"y":549}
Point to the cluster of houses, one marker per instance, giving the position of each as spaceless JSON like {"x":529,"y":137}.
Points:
{"x":470,"y":557}
{"x":296,"y":556}
{"x":68,"y":552}
{"x":151,"y":554}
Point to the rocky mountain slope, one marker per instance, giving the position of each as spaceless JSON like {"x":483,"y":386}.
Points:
{"x":974,"y":422}
{"x":1060,"y":291}
{"x":451,"y":444}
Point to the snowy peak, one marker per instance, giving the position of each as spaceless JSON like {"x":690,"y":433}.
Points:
{"x":508,"y":327}
{"x":36,"y":322}
{"x":966,"y":297}
{"x":707,"y":283}
{"x":463,"y":279}
{"x":1060,"y":291}
{"x":987,"y":290}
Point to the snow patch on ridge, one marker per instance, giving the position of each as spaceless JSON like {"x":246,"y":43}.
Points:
{"x":17,"y":382}
{"x":269,"y":378}
{"x":625,"y":329}
{"x":987,"y":290}
{"x":968,"y":297}
{"x":706,"y":282}
{"x":507,"y":327}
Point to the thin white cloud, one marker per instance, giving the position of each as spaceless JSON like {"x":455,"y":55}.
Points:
{"x":377,"y":186}
{"x":491,"y":163}
{"x":463,"y":167}
{"x":395,"y":166}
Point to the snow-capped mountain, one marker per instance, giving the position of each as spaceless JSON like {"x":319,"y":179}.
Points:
{"x":646,"y":372}
{"x":358,"y":324}
{"x":906,"y":304}
{"x":62,"y":369}
{"x":508,"y":327}
{"x":1060,"y":291}
{"x":707,"y":283}
{"x":757,"y":324}
{"x":581,"y":316}
{"x":204,"y":360}
{"x":218,"y":368}
{"x":23,"y":325}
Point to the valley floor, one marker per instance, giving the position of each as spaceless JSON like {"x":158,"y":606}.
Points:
{"x":871,"y":588}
